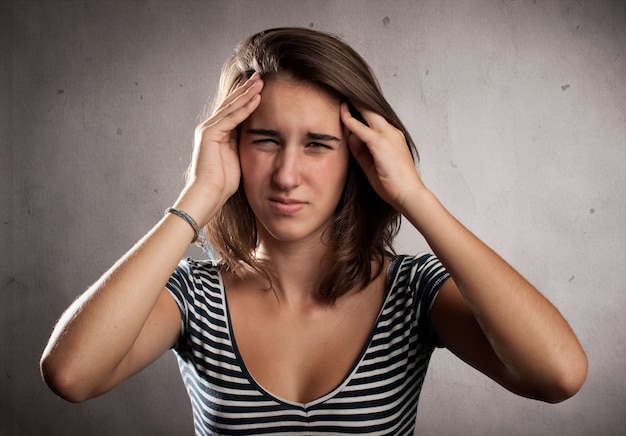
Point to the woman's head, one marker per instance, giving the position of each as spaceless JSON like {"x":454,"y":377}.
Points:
{"x":309,"y":56}
{"x":294,"y":157}
{"x":364,"y":225}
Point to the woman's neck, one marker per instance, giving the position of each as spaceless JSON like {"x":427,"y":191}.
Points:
{"x":294,"y":269}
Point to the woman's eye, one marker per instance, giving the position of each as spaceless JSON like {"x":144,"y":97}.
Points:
{"x":265,"y":142}
{"x":318,"y":145}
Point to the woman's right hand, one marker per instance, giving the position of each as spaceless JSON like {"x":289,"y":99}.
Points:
{"x":215,"y":172}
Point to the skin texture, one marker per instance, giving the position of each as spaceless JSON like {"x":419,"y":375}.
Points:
{"x":487,"y":314}
{"x":294,"y":159}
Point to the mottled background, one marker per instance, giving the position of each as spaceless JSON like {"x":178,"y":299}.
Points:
{"x":518,"y":108}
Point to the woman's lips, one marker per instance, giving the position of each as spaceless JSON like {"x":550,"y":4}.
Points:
{"x":286,"y":206}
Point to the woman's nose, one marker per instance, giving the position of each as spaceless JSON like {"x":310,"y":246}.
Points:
{"x":287,"y":169}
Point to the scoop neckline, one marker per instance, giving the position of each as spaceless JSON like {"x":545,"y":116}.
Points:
{"x":346,"y":379}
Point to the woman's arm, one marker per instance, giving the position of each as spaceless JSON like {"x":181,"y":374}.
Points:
{"x":122,"y":323}
{"x":492,"y":318}
{"x":127,"y":319}
{"x":488,"y":314}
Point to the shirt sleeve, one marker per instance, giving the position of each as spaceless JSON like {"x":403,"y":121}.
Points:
{"x":428,"y":275}
{"x":193,"y":285}
{"x":181,"y":286}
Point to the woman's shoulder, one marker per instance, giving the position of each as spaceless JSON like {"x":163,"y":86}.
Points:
{"x":419,"y":260}
{"x":422,"y":270}
{"x":193,"y":276}
{"x":190,"y":265}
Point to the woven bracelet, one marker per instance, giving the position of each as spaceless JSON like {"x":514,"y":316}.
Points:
{"x":183,"y":215}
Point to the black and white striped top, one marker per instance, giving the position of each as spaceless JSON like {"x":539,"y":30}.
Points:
{"x":378,"y":396}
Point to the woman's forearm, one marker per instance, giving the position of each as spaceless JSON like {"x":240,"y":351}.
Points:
{"x":95,"y":334}
{"x":526,"y":332}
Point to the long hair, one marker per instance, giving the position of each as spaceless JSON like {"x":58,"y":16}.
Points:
{"x":365,"y":225}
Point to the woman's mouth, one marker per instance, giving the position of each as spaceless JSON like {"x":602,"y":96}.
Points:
{"x":286,"y":206}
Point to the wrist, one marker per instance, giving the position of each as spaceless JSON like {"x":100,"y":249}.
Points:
{"x":415,"y":196}
{"x":199,"y":204}
{"x":184,"y":216}
{"x":422,"y":208}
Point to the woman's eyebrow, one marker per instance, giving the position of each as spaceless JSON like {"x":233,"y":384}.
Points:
{"x":322,"y":137}
{"x":262,"y":132}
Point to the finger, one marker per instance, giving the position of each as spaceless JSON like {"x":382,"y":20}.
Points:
{"x":375,"y":124}
{"x":237,"y":107}
{"x":241,"y":90}
{"x":241,"y":87}
{"x":239,"y":97}
{"x":375,"y":120}
{"x":360,"y":152}
{"x":363,"y":132}
{"x":381,"y":131}
{"x":238,"y":112}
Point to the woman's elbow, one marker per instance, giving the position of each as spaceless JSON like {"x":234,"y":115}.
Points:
{"x":550,"y":381}
{"x":63,"y":381}
{"x":567,"y":380}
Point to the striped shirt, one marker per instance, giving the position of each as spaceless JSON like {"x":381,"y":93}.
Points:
{"x":378,"y":396}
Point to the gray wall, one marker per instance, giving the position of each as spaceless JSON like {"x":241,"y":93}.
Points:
{"x":518,"y":109}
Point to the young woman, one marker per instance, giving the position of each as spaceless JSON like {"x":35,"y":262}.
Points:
{"x":308,"y":322}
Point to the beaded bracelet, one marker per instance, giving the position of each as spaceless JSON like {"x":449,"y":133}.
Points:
{"x":192,"y":223}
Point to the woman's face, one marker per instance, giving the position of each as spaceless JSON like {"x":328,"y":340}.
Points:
{"x":294,"y":160}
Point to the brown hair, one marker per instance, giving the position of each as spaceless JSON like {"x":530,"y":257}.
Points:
{"x":364,"y":225}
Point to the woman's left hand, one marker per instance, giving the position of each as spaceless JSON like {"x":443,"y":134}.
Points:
{"x":382,"y":152}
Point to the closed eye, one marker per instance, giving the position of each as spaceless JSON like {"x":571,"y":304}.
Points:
{"x":263,"y":137}
{"x":267,"y":145}
{"x":265,"y":141}
{"x":321,"y":141}
{"x":319,"y":145}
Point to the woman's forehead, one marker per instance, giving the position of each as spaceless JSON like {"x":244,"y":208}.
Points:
{"x":293,"y":103}
{"x":289,"y":80}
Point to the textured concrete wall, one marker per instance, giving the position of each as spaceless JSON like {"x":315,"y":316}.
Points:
{"x":518,"y":108}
